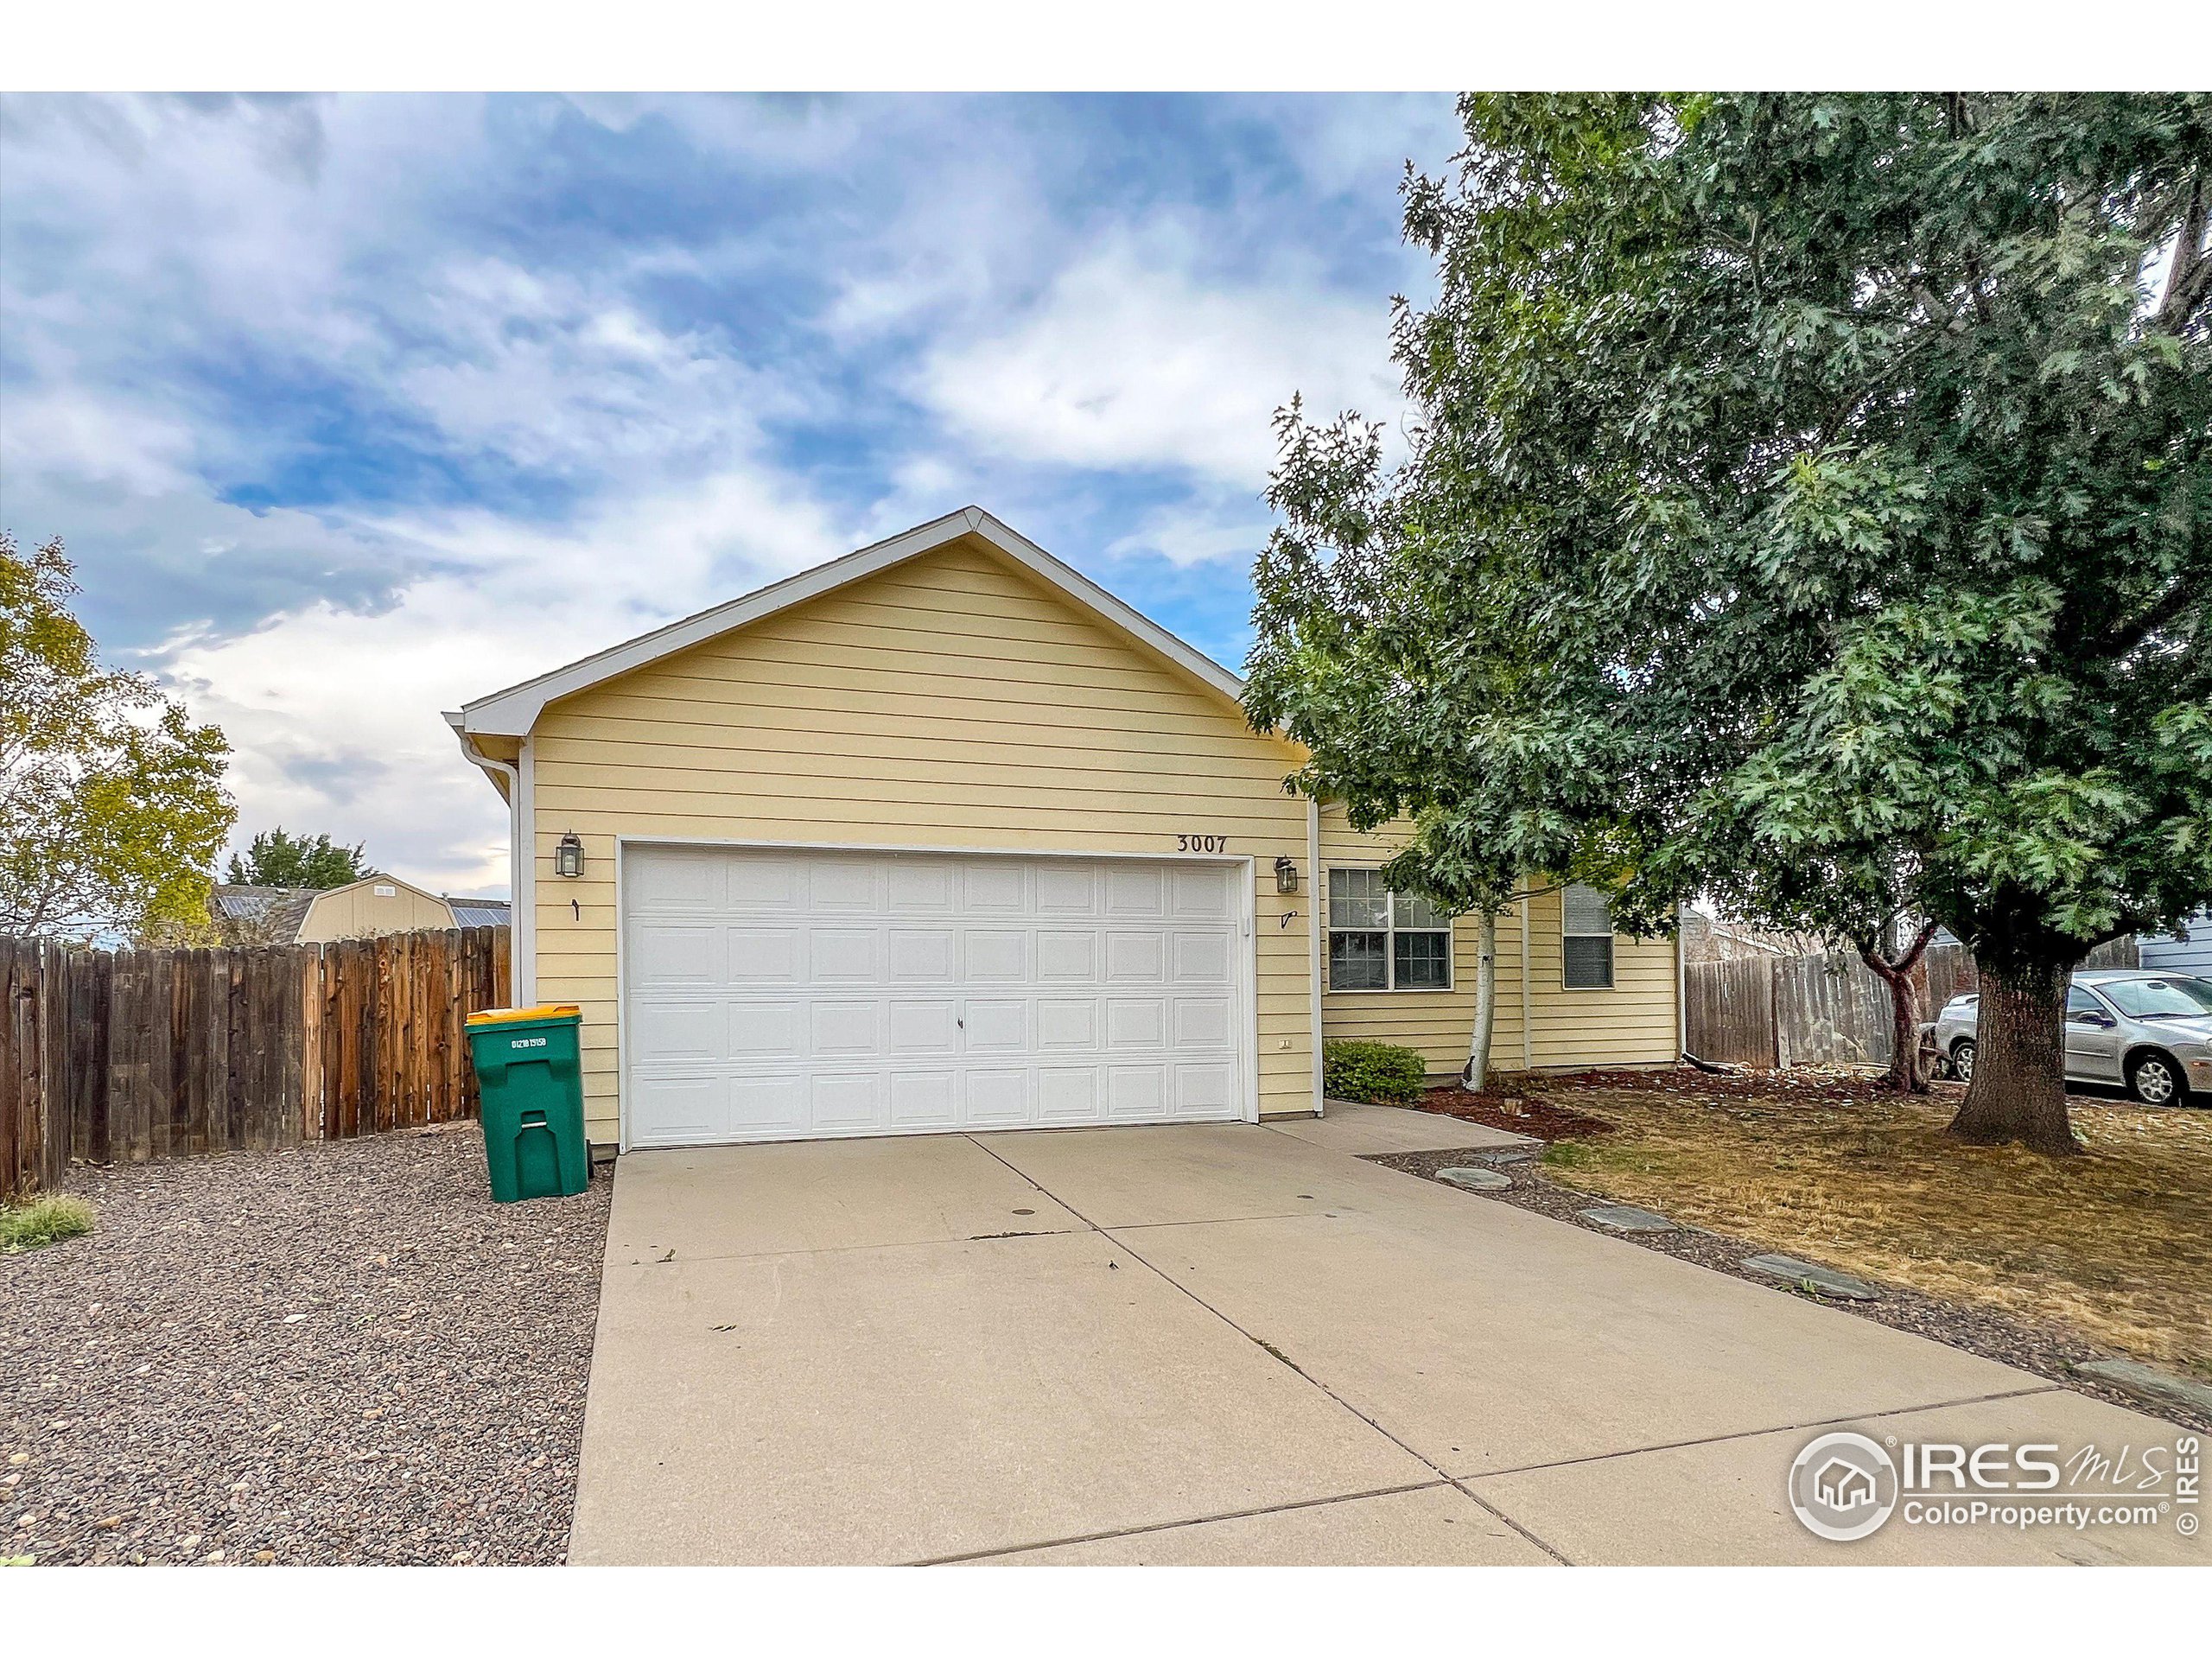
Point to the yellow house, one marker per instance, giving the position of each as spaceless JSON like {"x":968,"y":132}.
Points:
{"x":941,"y":836}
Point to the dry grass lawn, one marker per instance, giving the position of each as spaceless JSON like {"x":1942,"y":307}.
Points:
{"x":2116,"y":1244}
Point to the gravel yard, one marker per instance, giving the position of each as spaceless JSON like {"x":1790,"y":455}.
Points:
{"x":341,"y":1353}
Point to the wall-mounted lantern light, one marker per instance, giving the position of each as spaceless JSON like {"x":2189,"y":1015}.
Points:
{"x":568,"y":856}
{"x":1286,"y":876}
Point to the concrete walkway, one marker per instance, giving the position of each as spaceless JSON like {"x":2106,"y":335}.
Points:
{"x":1226,"y":1344}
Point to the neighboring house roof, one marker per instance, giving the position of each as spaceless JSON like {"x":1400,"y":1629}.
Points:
{"x":478,"y":912}
{"x":512,"y":712}
{"x":273,"y":912}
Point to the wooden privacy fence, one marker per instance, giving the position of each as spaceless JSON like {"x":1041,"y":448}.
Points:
{"x":1782,"y":1011}
{"x":124,"y":1056}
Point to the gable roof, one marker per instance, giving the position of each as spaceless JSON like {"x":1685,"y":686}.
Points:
{"x":512,"y":712}
{"x":276,"y":911}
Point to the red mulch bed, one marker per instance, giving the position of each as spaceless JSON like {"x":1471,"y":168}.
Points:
{"x":1545,"y":1106}
{"x":1525,"y":1113}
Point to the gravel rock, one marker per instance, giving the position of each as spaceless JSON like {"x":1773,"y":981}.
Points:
{"x":338,"y":1353}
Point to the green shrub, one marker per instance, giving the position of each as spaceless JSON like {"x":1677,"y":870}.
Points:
{"x":43,"y":1221}
{"x":1382,"y":1074}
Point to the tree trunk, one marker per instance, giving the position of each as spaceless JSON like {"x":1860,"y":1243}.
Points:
{"x":1477,"y":1076}
{"x":1906,"y":1075}
{"x":2018,"y":1091}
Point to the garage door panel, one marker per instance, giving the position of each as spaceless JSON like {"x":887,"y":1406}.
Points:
{"x":998,"y":1098}
{"x":1199,"y":1023}
{"x":999,"y":1026}
{"x":989,"y":886}
{"x":1067,"y":889}
{"x":1132,"y":890}
{"x":1135,"y":955}
{"x":843,"y":953}
{"x":996,"y":955}
{"x":1136,"y":1022}
{"x":761,"y":955}
{"x":923,"y":954}
{"x":1136,"y":1093}
{"x":669,"y":879}
{"x":842,"y":884}
{"x":924,"y":1100}
{"x":1205,"y":1092}
{"x":1069,"y":1095}
{"x":676,"y":1111}
{"x":773,"y":884}
{"x":923,"y":884}
{"x":1198,"y":892}
{"x":1066,"y":957}
{"x":924,"y":1029}
{"x":666,"y":954}
{"x":763,"y":1030}
{"x":1065,"y":1022}
{"x":680,"y":1032}
{"x":768,"y":1106}
{"x":1201,"y":958}
{"x":848,"y":1102}
{"x":839,"y":1030}
{"x":779,"y":995}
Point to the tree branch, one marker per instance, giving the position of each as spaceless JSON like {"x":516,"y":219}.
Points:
{"x":2189,"y":279}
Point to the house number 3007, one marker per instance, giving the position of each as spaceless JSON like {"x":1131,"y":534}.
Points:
{"x":1202,"y":843}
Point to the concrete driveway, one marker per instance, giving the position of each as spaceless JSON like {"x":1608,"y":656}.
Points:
{"x":1226,"y":1344}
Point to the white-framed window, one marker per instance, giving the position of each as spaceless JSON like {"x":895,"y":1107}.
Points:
{"x":1384,"y":941}
{"x":1586,"y":942}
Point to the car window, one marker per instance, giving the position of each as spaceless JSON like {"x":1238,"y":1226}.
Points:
{"x":2171,"y":995}
{"x":2079,"y":1002}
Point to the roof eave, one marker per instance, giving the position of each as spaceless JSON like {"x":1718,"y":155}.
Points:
{"x":514,"y":711}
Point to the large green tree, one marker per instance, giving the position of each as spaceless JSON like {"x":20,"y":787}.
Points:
{"x":112,"y":802}
{"x":275,"y":858}
{"x":1806,"y":495}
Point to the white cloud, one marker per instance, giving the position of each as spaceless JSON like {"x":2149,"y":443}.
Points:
{"x":1129,"y":359}
{"x":334,"y":712}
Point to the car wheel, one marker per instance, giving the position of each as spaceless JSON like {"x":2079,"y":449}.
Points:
{"x":1962,"y":1059}
{"x":2155,"y":1080}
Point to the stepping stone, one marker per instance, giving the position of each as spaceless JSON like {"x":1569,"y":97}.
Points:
{"x":1827,"y":1280}
{"x":1475,"y":1180}
{"x":2148,"y":1384}
{"x":1627,"y":1218}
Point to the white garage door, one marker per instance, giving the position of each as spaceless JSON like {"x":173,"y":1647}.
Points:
{"x":775,"y":995}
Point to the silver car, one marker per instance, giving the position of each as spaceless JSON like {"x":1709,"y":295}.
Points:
{"x":2149,"y":1032}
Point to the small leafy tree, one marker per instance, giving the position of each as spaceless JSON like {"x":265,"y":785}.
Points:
{"x":111,"y":803}
{"x":1819,"y":480}
{"x":275,"y":859}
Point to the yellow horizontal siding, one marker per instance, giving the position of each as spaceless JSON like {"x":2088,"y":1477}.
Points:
{"x":952,"y":701}
{"x":1633,"y":1023}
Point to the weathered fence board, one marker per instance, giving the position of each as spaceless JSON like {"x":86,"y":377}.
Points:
{"x":1832,"y":1009}
{"x":134,"y":1055}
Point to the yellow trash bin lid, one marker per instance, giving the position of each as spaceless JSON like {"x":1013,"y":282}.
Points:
{"x":543,"y":1011}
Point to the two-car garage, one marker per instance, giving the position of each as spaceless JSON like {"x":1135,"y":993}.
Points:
{"x":775,"y":992}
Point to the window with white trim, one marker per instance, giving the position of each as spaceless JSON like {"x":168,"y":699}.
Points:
{"x":1586,"y":942}
{"x":1384,"y":941}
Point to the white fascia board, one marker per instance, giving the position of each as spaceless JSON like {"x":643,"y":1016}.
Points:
{"x":513,"y":712}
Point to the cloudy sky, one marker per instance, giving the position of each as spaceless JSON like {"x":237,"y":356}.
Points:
{"x":351,"y":409}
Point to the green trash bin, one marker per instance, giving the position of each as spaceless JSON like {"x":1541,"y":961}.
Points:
{"x":532,"y":1094}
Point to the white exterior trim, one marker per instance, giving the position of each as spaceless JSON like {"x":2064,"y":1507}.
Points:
{"x":1247,"y":991}
{"x":522,"y":892}
{"x":512,"y":712}
{"x":1313,"y":936}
